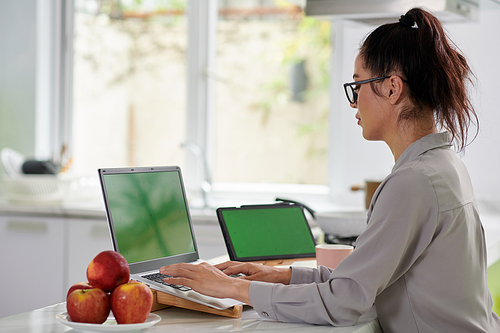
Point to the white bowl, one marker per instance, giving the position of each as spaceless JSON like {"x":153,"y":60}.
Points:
{"x":342,"y":223}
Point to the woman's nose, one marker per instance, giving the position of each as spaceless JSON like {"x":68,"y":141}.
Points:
{"x":354,"y":105}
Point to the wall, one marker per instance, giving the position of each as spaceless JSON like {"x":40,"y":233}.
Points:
{"x":481,"y":44}
{"x":480,"y":41}
{"x":17,"y":75}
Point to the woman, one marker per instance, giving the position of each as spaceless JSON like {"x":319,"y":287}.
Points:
{"x":422,"y":259}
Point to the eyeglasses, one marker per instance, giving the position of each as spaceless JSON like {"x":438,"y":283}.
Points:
{"x":350,"y":91}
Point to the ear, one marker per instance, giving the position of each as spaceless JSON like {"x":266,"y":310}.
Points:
{"x":394,"y":89}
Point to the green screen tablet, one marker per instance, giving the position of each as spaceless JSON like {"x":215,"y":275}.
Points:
{"x":266,"y":232}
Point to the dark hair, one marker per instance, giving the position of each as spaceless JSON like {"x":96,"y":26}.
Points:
{"x":417,"y":48}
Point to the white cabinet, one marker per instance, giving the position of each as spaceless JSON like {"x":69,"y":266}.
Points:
{"x":86,"y":239}
{"x":31,"y":261}
{"x":41,"y":257}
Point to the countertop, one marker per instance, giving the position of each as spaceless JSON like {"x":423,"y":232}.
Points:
{"x":90,"y":209}
{"x":80,"y":209}
{"x":491,"y":225}
{"x":181,"y":320}
{"x":95,"y":210}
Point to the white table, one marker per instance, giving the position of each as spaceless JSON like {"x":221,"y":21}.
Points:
{"x":181,"y":320}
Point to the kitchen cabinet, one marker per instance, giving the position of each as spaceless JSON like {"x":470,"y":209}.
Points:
{"x":86,"y":238}
{"x":32,"y":262}
{"x":41,"y":257}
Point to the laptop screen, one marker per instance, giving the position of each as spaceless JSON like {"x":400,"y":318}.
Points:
{"x":147,"y":213}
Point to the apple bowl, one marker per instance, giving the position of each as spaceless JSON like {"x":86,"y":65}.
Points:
{"x":110,"y":325}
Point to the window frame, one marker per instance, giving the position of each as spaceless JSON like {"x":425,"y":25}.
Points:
{"x":54,"y":83}
{"x":201,"y":60}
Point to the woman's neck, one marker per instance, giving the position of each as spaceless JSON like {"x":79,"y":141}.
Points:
{"x":406,"y":135}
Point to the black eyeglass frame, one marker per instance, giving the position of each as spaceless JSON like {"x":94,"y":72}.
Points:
{"x":354,"y":93}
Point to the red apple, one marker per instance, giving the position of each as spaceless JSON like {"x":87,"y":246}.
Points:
{"x":131,"y":302}
{"x":88,"y":306}
{"x":79,"y":285}
{"x":108,"y":270}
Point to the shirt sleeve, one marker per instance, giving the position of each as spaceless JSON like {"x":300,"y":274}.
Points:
{"x":397,"y":233}
{"x":309,"y":275}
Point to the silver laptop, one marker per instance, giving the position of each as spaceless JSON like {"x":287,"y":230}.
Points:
{"x":150,"y":225}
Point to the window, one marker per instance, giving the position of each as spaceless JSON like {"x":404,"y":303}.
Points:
{"x":129,"y":88}
{"x":270,"y":90}
{"x":272,"y":99}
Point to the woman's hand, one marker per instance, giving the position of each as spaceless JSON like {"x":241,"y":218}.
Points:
{"x":256,"y":272}
{"x":208,"y":280}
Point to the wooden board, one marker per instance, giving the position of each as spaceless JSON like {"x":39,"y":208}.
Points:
{"x":157,"y":306}
{"x":282,"y":262}
{"x":163,"y":300}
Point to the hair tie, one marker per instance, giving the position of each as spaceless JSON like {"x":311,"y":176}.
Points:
{"x":408,"y":21}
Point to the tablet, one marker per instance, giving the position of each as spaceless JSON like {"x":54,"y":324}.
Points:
{"x":266,"y":232}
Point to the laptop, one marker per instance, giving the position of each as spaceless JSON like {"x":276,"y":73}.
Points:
{"x":150,"y":225}
{"x":266,"y":232}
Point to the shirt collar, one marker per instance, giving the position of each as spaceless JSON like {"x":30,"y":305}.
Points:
{"x":423,"y":145}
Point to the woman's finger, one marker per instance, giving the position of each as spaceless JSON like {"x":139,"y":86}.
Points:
{"x":227,"y":264}
{"x":178,"y":270}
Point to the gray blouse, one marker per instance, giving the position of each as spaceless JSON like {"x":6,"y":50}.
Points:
{"x":421,"y":260}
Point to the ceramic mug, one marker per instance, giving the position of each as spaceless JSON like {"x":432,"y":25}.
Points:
{"x":330,"y":255}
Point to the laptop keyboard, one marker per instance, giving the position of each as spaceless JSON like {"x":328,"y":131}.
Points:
{"x":157,"y":277}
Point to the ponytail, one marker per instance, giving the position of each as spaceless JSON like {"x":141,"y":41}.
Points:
{"x":437,"y":73}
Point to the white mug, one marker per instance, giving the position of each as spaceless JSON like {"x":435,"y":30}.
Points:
{"x":330,"y":255}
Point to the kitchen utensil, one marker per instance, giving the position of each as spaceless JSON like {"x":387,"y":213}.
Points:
{"x":339,"y":223}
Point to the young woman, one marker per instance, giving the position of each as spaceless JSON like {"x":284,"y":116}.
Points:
{"x":422,"y":259}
